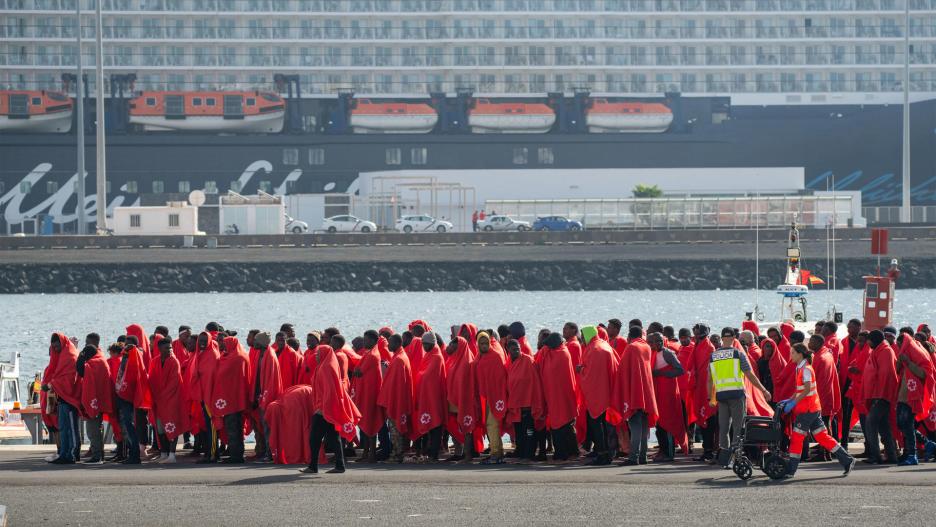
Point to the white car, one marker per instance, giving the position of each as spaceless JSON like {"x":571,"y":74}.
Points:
{"x":296,"y":226}
{"x":348,"y":223}
{"x":422,"y":223}
{"x":503,"y":223}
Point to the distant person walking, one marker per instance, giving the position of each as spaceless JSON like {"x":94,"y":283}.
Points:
{"x":474,"y":221}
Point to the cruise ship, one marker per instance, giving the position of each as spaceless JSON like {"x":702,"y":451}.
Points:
{"x":304,"y":96}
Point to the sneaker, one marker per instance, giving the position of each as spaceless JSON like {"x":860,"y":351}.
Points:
{"x":62,"y":461}
{"x":336,"y":470}
{"x":93,"y":461}
{"x":909,"y":461}
{"x":929,"y":451}
{"x":309,"y":470}
{"x":628,"y":463}
{"x":849,"y":467}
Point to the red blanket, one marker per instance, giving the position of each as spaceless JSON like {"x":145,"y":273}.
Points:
{"x":143,"y":342}
{"x":462,"y":390}
{"x":271,"y":378}
{"x":165,"y":378}
{"x":331,"y":397}
{"x":132,"y":383}
{"x":290,"y":421}
{"x":63,"y":376}
{"x":289,"y":365}
{"x":524,"y":390}
{"x":858,"y":359}
{"x":491,"y":375}
{"x":701,"y":355}
{"x":669,"y":404}
{"x":231,"y":391}
{"x":633,"y":388}
{"x":880,"y":379}
{"x":920,"y":391}
{"x":827,"y":381}
{"x":558,"y":381}
{"x":365,"y":389}
{"x":431,"y":402}
{"x":598,"y":376}
{"x":97,"y":389}
{"x":397,"y":393}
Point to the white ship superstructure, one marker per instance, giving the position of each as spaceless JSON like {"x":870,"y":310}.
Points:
{"x":777,"y":51}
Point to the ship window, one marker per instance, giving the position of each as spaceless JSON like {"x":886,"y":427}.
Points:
{"x":251,"y":101}
{"x":173,"y":220}
{"x":135,"y":221}
{"x":37,"y":101}
{"x":291,"y":156}
{"x":210,"y":101}
{"x":316,"y":156}
{"x":266,"y":186}
{"x":545,"y":156}
{"x":107,"y":187}
{"x":418,"y":155}
{"x":211,"y":187}
{"x":159,"y":186}
{"x":520,"y":156}
{"x":25,"y":187}
{"x":393,"y":156}
{"x":52,"y":187}
{"x":151,"y":101}
{"x":131,"y":187}
{"x":235,"y":186}
{"x":185,"y":186}
{"x":196,"y":101}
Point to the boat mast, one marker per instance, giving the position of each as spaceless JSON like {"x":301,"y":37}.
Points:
{"x":79,"y":101}
{"x":101,"y":166}
{"x":905,"y":215}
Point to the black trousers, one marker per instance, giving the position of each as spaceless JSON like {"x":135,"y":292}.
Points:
{"x":848,"y":408}
{"x":708,"y":434}
{"x":666,"y":442}
{"x":878,"y":421}
{"x":564,"y":442}
{"x":525,"y":434}
{"x":165,"y":445}
{"x":323,"y":430}
{"x":598,"y":430}
{"x":434,"y":442}
{"x":234,"y":426}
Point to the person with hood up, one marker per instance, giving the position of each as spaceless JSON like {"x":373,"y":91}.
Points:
{"x":558,"y":380}
{"x":64,"y":388}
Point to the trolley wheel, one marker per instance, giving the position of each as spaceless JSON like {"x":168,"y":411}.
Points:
{"x":774,"y":466}
{"x":743,"y":468}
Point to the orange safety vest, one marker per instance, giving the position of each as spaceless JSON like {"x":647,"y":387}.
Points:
{"x":810,"y":403}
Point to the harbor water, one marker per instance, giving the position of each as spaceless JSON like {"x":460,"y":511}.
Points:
{"x":29,"y":320}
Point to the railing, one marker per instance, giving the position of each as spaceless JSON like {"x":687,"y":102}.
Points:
{"x":891,"y":215}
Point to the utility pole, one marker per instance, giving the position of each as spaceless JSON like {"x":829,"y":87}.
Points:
{"x":905,"y":211}
{"x":79,"y":101}
{"x":101,"y":176}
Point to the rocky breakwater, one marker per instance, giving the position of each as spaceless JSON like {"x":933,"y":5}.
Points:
{"x":672,"y":274}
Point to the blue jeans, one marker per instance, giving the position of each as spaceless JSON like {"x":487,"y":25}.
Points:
{"x":68,"y":430}
{"x":906,"y":423}
{"x":127,"y":421}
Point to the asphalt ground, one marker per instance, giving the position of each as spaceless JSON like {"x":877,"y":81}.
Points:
{"x":679,"y":493}
{"x":462,"y":253}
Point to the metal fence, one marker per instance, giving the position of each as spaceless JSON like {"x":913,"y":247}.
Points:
{"x":890,"y":215}
{"x":688,"y":212}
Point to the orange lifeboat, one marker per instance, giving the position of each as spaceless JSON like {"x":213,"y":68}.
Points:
{"x":487,"y":117}
{"x":368,"y":117}
{"x":36,"y":111}
{"x":209,"y":111}
{"x":627,"y":117}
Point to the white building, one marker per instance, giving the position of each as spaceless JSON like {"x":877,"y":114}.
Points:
{"x":494,"y":46}
{"x":260,"y":214}
{"x":175,"y":218}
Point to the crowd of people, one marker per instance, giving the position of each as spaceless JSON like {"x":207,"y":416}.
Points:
{"x":586,"y":394}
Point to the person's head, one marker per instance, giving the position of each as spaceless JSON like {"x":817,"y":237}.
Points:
{"x":385,"y":332}
{"x":685,"y":336}
{"x":484,"y":343}
{"x":862,"y":338}
{"x":614,"y":327}
{"x":114,"y":349}
{"x":920,"y":337}
{"x":250,"y":336}
{"x":131,"y":341}
{"x":634,"y":332}
{"x":428,"y":341}
{"x":293,"y":343}
{"x":56,"y":344}
{"x":818,"y":326}
{"x":312,"y":339}
{"x":797,"y":337}
{"x":165,"y":347}
{"x":280,"y":340}
{"x":669,"y":332}
{"x":161,"y":330}
{"x":439,"y":340}
{"x":635,"y":322}
{"x":88,"y":351}
{"x":553,"y":341}
{"x":288,"y":329}
{"x":715,"y":340}
{"x":464,"y":332}
{"x":655,"y":340}
{"x":503,"y":331}
{"x":876,"y":337}
{"x":746,"y":337}
{"x":122,"y":339}
{"x":925,"y":329}
{"x":769,"y":347}
{"x":798,"y":352}
{"x":517,"y":330}
{"x":357,"y":344}
{"x":513,"y":349}
{"x":184,"y":332}
{"x":202,"y":342}
{"x":370,"y":338}
{"x":700,"y":331}
{"x":727,"y":337}
{"x":570,"y":330}
{"x":541,"y":337}
{"x":337,"y":342}
{"x":407,"y":338}
{"x":774,"y":335}
{"x":418,"y":330}
{"x":394,"y":342}
{"x":261,"y":341}
{"x":853,"y":327}
{"x":815,"y":343}
{"x":212,"y":326}
{"x":890,"y":334}
{"x":654,"y":327}
{"x":829,"y":328}
{"x":92,"y":339}
{"x":328,"y":333}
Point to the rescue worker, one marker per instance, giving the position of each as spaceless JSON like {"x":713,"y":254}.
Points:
{"x":806,"y":410}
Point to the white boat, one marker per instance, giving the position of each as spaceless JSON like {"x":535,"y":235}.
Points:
{"x":11,"y":424}
{"x":368,"y":117}
{"x":627,"y":117}
{"x":487,"y":117}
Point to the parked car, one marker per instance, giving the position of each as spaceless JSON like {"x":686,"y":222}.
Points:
{"x":348,"y":223}
{"x":503,"y":223}
{"x":295,"y":226}
{"x":422,"y":223}
{"x":556,"y":223}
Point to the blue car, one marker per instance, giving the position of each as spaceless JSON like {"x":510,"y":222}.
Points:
{"x":556,"y":223}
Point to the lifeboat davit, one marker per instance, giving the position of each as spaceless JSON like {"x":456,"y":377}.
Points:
{"x":369,"y":117}
{"x":36,"y":111}
{"x":487,"y":117}
{"x":209,"y":111}
{"x":627,"y":117}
